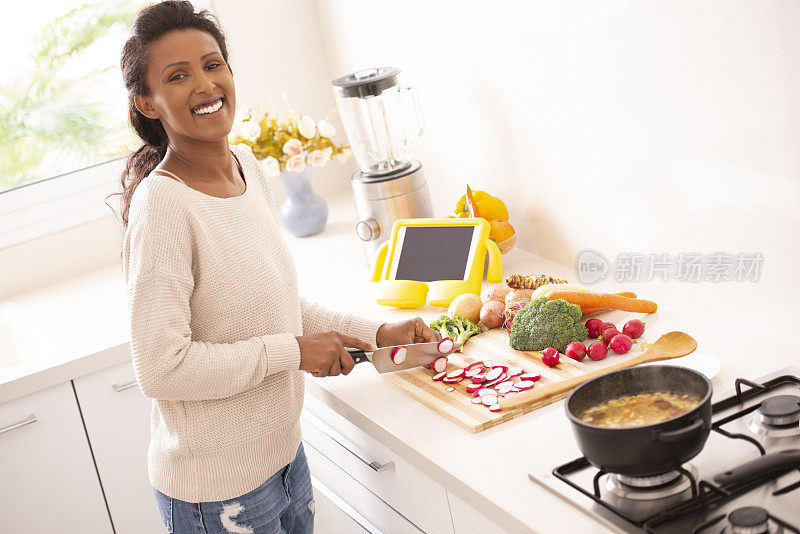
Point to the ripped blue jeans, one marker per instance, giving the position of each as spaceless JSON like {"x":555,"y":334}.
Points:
{"x":282,"y":504}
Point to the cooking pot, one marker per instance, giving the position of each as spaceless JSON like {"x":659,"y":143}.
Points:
{"x":649,"y":449}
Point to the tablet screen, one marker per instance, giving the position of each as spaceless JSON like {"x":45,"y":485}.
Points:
{"x":431,"y":253}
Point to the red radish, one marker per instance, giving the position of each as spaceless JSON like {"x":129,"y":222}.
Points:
{"x":449,"y":389}
{"x":550,"y":357}
{"x":515,"y":371}
{"x":575,"y":350}
{"x":439,"y":376}
{"x":503,"y":367}
{"x":440,"y":364}
{"x":473,"y":372}
{"x":494,"y":407}
{"x":446,"y":345}
{"x":597,"y":351}
{"x":620,"y":343}
{"x":633,"y":328}
{"x":486,"y":391}
{"x":608,"y":334}
{"x":474,"y":364}
{"x":478,"y":379}
{"x":530,"y":376}
{"x":604,"y":326}
{"x":494,"y":374}
{"x":593,"y":325}
{"x":505,"y":387}
{"x":399,"y":355}
{"x":524,"y":384}
{"x":476,"y":400}
{"x":452,"y":380}
{"x":497,"y":380}
{"x":456,"y":373}
{"x":487,"y":363}
{"x":472,"y":388}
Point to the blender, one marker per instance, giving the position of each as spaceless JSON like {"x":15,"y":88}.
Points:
{"x":382,"y":120}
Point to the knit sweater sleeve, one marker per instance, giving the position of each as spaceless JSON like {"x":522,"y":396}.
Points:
{"x":168,"y":363}
{"x":317,"y":318}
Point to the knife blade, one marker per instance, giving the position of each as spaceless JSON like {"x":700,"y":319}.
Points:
{"x":418,"y":354}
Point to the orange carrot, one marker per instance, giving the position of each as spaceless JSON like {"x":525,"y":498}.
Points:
{"x":587,"y":309}
{"x":590,"y":299}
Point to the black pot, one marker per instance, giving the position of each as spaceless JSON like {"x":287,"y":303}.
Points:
{"x":644,"y":450}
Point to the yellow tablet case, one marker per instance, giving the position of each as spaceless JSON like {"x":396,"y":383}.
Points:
{"x":412,"y":293}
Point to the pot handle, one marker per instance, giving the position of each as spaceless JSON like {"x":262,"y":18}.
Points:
{"x":677,"y":435}
{"x":769,"y":463}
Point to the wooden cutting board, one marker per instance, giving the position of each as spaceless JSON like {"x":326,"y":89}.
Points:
{"x":457,"y":405}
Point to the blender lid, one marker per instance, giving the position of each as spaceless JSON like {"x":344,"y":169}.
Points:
{"x":367,"y":82}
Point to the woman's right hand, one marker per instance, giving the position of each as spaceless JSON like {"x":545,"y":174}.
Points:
{"x":325,"y":354}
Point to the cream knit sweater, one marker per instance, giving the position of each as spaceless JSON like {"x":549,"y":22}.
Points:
{"x":214,"y":311}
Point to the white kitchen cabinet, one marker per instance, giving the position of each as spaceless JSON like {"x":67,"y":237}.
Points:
{"x":381,"y":470}
{"x":467,"y":519}
{"x":368,"y":511}
{"x":48,"y":482}
{"x":117,"y":418}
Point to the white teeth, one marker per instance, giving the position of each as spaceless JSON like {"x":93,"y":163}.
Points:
{"x":209,"y":109}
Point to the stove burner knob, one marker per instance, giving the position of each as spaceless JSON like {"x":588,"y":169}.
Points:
{"x":368,"y":229}
{"x":749,"y":520}
{"x":780,"y":410}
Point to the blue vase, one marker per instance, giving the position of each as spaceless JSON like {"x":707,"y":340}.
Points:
{"x":304,"y":212}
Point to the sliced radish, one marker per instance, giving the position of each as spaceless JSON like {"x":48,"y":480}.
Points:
{"x":449,"y":389}
{"x":440,"y":364}
{"x":456,"y":373}
{"x":503,"y":367}
{"x":476,"y":400}
{"x":473,"y":365}
{"x":489,"y":400}
{"x":494,"y":407}
{"x":439,"y":376}
{"x":472,"y":388}
{"x":505,"y":387}
{"x":446,"y":345}
{"x":524,"y":384}
{"x":486,"y":391}
{"x":456,"y":380}
{"x":530,"y":376}
{"x":494,"y":374}
{"x":487,"y":363}
{"x":497,"y":380}
{"x":515,"y":371}
{"x":399,"y":355}
{"x":474,"y":371}
{"x":477,"y":379}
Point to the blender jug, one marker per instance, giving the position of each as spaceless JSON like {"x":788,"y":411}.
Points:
{"x":382,"y":119}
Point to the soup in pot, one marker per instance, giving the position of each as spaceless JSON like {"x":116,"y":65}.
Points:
{"x":640,"y":410}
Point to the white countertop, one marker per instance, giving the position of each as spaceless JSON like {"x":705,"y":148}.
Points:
{"x":79,"y":326}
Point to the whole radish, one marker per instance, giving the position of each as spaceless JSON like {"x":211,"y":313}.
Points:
{"x":575,"y":350}
{"x":593,"y":325}
{"x":633,"y":328}
{"x":602,"y":328}
{"x":620,"y":343}
{"x":550,"y":357}
{"x":597,"y":351}
{"x":493,"y":313}
{"x":608,"y":334}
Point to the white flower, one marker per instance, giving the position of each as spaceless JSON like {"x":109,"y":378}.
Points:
{"x":326,"y":129}
{"x":318,"y":158}
{"x":307,"y":127}
{"x":271,"y":167}
{"x":250,"y":130}
{"x":296,"y":163}
{"x":344,"y":156}
{"x":292,"y":147}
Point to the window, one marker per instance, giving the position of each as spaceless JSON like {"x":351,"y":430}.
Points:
{"x":62,"y":101}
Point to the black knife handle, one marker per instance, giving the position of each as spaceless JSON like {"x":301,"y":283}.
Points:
{"x":358,"y":355}
{"x":774,"y":462}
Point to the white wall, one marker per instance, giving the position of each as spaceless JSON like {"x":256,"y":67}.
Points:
{"x":621,"y":126}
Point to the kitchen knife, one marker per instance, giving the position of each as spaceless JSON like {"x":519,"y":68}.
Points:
{"x":418,"y":354}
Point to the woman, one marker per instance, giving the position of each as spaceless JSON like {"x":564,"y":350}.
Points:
{"x":219,"y":334}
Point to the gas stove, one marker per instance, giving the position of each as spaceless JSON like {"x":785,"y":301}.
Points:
{"x":753,"y":420}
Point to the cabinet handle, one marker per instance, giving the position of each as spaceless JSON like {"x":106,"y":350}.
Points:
{"x":123,"y":387}
{"x":28,"y":420}
{"x":346,"y":444}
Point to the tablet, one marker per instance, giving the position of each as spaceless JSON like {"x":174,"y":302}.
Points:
{"x":431,"y":253}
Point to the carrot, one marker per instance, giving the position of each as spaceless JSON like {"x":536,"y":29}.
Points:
{"x":590,"y":299}
{"x":587,"y":309}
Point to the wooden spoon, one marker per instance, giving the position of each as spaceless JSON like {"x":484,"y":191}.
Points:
{"x":671,"y":345}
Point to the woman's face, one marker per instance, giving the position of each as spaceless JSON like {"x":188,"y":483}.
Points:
{"x":191,"y":87}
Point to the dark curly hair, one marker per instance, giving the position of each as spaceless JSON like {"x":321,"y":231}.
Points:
{"x":149,"y":25}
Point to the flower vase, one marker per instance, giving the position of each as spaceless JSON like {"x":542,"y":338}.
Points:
{"x":304,"y":212}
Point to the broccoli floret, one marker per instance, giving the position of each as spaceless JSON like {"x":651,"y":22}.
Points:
{"x":457,"y":328}
{"x":547,"y":323}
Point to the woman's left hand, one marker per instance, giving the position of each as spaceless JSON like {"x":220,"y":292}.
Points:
{"x":405,"y":332}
